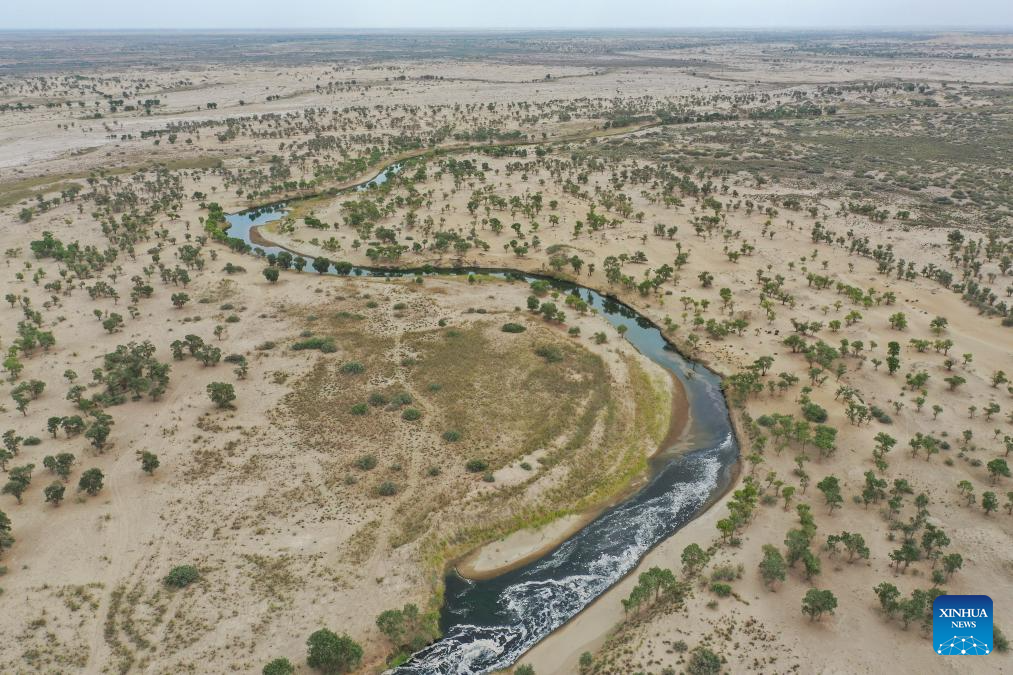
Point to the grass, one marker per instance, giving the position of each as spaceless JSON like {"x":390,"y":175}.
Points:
{"x":500,"y":398}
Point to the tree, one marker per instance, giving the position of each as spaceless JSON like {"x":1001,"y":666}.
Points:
{"x":271,"y":274}
{"x":989,"y":502}
{"x":831,"y":489}
{"x":149,"y":461}
{"x":997,"y":468}
{"x":180,"y":299}
{"x":817,"y":602}
{"x":331,"y":653}
{"x":321,"y":265}
{"x":951,"y":563}
{"x":693,"y":559}
{"x":898,"y":321}
{"x":91,"y":481}
{"x":19,"y":478}
{"x":6,"y":540}
{"x":407,"y":629}
{"x":888,"y":595}
{"x":787,"y":492}
{"x":280,"y":666}
{"x":98,"y":432}
{"x":60,"y":464}
{"x":113,"y":323}
{"x":222,"y":394}
{"x":54,"y":492}
{"x":772,"y":567}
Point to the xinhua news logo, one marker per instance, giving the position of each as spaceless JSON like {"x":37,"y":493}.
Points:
{"x":962,"y":625}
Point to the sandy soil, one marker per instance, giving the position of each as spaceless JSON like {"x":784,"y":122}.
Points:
{"x":289,"y":536}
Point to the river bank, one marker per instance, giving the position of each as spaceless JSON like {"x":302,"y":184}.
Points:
{"x":523,"y":546}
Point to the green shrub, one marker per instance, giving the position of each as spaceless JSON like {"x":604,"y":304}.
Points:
{"x":721,"y":589}
{"x":476,"y":465}
{"x":703,"y":662}
{"x":279,"y":667}
{"x":366,"y":462}
{"x":182,"y":576}
{"x":330,"y":653}
{"x":352,"y":368}
{"x":879,"y":415}
{"x":550,"y":353}
{"x":451,"y":436}
{"x":411,"y":414}
{"x":513,"y":328}
{"x":814,"y":413}
{"x":387,"y":489}
{"x":324,"y":344}
{"x":360,"y":409}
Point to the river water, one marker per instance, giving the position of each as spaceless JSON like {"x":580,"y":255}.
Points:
{"x":489,"y":624}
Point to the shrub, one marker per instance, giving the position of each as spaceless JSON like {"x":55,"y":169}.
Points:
{"x":703,"y":662}
{"x":400,"y":305}
{"x":377,"y":399}
{"x":330,"y":653}
{"x":181,"y":576}
{"x":352,"y":368}
{"x":32,"y":440}
{"x":513,"y":328}
{"x":360,"y":409}
{"x":814,"y":413}
{"x":387,"y":489}
{"x":476,"y":465}
{"x":721,"y":589}
{"x":280,"y":666}
{"x":550,"y":353}
{"x":411,"y":414}
{"x":324,"y":344}
{"x":366,"y":462}
{"x":880,"y":416}
{"x":403,"y":398}
{"x":724,"y":573}
{"x":999,"y":640}
{"x":451,"y":436}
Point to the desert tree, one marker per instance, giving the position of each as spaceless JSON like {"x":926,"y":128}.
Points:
{"x":818,"y":602}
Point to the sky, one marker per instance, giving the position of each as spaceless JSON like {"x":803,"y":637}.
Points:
{"x":407,"y":14}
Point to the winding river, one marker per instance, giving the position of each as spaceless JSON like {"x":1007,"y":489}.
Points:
{"x":487,"y":625}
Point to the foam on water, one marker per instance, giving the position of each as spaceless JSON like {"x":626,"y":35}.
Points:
{"x":540,"y":600}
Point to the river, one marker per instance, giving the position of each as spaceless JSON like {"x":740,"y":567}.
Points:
{"x":488,"y":625}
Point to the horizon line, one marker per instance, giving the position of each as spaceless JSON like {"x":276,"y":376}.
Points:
{"x":653,"y":29}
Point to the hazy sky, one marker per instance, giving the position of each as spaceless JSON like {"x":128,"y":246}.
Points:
{"x":500,"y":13}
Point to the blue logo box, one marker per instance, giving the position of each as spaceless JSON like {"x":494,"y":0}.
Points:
{"x":962,"y":625}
